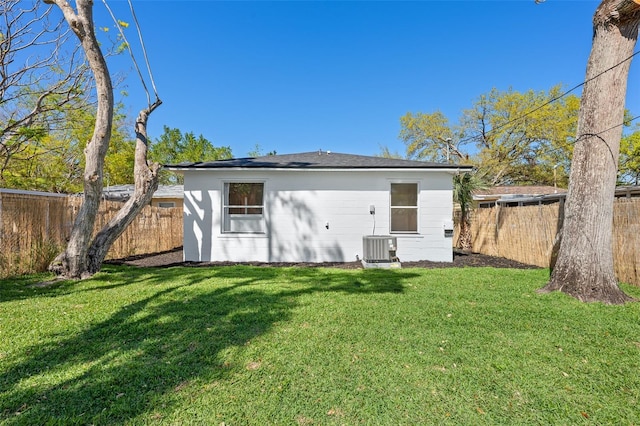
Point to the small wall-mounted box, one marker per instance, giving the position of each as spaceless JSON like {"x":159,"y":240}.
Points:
{"x":448,"y":228}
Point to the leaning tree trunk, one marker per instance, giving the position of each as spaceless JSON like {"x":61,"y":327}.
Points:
{"x":83,"y":256}
{"x":146,"y":183}
{"x":72,"y":263}
{"x":584,"y":267}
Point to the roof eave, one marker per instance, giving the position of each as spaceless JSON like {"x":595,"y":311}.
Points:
{"x":448,"y":169}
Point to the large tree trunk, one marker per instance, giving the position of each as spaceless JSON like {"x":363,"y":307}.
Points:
{"x":83,"y":256}
{"x":72,"y":263}
{"x":146,"y":183}
{"x":584,"y":267}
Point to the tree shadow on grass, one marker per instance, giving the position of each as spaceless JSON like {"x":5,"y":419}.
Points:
{"x":28,"y":286}
{"x":46,"y":285}
{"x":192,"y":329}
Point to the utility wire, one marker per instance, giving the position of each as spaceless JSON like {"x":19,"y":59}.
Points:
{"x":555,"y":99}
{"x":130,"y":51}
{"x":624,"y":123}
{"x":563,"y":94}
{"x":144,"y":50}
{"x":551,"y":150}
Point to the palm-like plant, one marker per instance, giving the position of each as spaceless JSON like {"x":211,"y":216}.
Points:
{"x":463,"y":187}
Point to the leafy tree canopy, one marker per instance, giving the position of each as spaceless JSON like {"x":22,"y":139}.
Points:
{"x":48,"y":102}
{"x":174,"y":147}
{"x":511,"y":137}
{"x":257,"y":152}
{"x":629,"y":167}
{"x":52,"y":159}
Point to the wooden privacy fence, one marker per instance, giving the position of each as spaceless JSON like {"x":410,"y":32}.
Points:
{"x":34,"y":225}
{"x":154,"y":230}
{"x":526,"y":234}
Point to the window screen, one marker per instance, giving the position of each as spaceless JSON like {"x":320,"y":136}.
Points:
{"x":404,"y":207}
{"x":243,"y":207}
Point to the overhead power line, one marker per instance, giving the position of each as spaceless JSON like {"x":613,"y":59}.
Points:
{"x":144,"y":49}
{"x":133,"y":59}
{"x":557,"y":98}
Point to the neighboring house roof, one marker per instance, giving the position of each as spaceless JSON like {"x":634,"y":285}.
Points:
{"x":520,"y":195}
{"x":31,"y":193}
{"x":123,"y":192}
{"x":496,"y":192}
{"x":524,"y":195}
{"x":316,"y":160}
{"x":628,"y":191}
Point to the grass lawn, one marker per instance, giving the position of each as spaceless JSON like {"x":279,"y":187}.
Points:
{"x":247,"y":345}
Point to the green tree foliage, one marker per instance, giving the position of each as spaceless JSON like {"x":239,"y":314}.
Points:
{"x":520,"y":141}
{"x":53,"y":160}
{"x":385,"y":152}
{"x":629,"y":167}
{"x":174,"y":147}
{"x":427,"y":137}
{"x":28,"y":151}
{"x":257,"y":152}
{"x":40,"y":76}
{"x":509,"y":136}
{"x":120,"y":159}
{"x":48,"y":159}
{"x":47,"y":102}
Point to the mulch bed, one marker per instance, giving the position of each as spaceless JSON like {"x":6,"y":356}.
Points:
{"x":460,"y":259}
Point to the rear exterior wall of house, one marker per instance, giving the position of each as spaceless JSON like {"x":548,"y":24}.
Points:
{"x":310,"y":215}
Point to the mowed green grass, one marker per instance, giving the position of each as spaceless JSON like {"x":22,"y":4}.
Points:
{"x":301,"y":346}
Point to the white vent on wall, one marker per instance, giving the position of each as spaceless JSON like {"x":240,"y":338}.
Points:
{"x":379,"y":248}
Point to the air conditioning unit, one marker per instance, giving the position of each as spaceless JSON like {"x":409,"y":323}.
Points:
{"x":379,"y":248}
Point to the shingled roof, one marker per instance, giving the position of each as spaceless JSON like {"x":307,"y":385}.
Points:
{"x":315,"y":160}
{"x":123,"y":192}
{"x":516,"y":190}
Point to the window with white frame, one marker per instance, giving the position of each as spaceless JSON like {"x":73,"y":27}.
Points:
{"x":243,"y":207}
{"x":404,"y":207}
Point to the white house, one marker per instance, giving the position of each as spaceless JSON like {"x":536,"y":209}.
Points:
{"x":315,"y":207}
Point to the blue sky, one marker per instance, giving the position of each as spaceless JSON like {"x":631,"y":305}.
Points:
{"x":295,"y":76}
